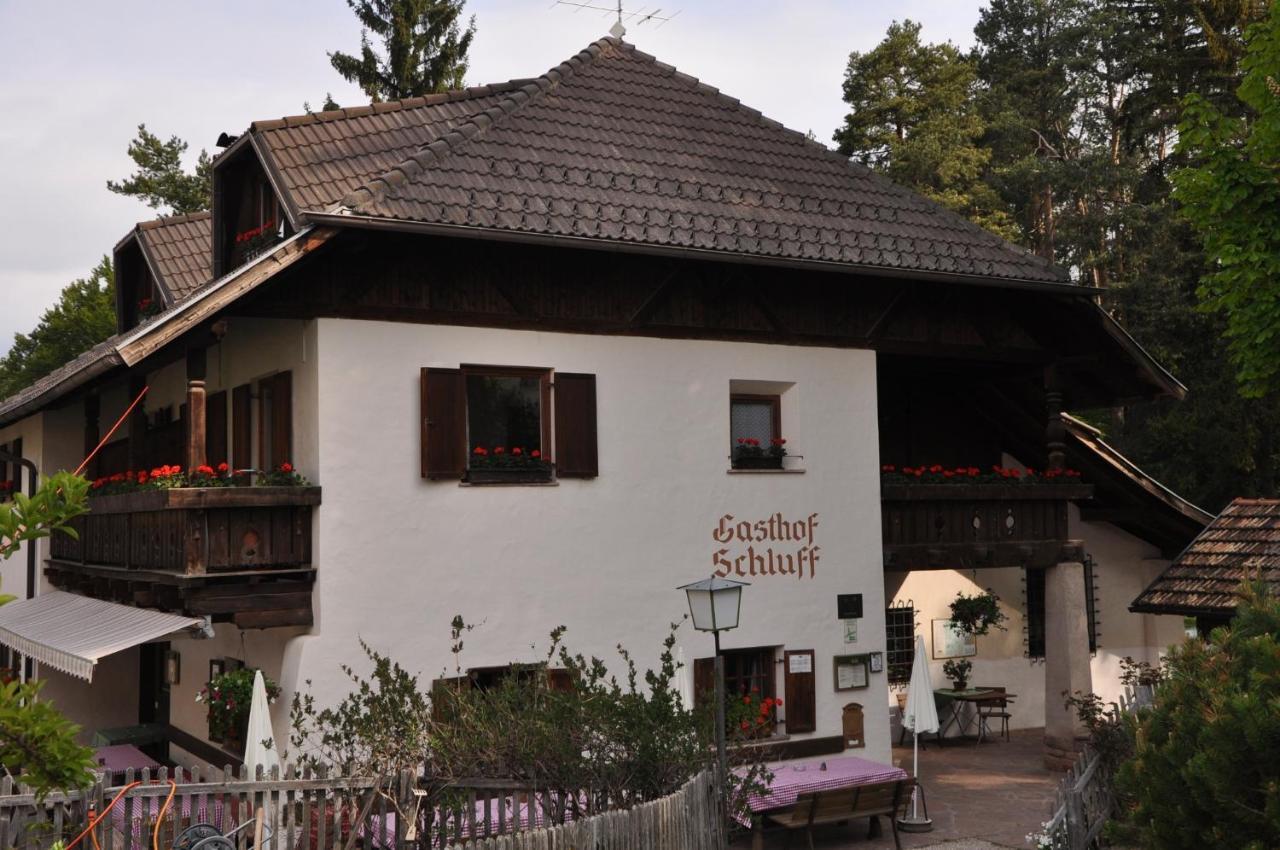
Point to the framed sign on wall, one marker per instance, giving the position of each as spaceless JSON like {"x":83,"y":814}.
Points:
{"x":851,"y":672}
{"x":950,"y":642}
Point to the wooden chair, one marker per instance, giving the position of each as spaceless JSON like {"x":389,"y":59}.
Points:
{"x":996,"y":708}
{"x":862,"y":801}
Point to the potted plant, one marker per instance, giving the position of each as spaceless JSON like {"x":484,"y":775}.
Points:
{"x":503,"y":465}
{"x":750,"y":454}
{"x":958,"y":672}
{"x":976,"y":615}
{"x":229,"y":697}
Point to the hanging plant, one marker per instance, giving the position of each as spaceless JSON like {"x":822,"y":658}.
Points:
{"x":976,"y":615}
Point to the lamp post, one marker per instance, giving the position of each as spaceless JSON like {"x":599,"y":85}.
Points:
{"x":714,"y":606}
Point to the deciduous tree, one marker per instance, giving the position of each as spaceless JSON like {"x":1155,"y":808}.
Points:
{"x":84,"y":315}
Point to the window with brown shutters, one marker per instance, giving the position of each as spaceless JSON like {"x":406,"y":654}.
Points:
{"x":799,"y":687}
{"x":494,"y":424}
{"x":215,"y":424}
{"x":242,"y":427}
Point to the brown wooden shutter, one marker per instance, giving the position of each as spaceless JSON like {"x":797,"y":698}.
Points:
{"x":577,"y":453}
{"x":800,"y":697}
{"x":242,"y":427}
{"x":281,"y":419}
{"x":444,"y":423}
{"x":215,"y":424}
{"x":445,"y":694}
{"x":558,"y":679}
{"x":704,"y":681}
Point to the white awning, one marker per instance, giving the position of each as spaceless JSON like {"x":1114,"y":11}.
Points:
{"x":71,"y":632}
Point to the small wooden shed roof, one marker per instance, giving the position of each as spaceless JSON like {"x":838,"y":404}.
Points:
{"x":1242,"y":543}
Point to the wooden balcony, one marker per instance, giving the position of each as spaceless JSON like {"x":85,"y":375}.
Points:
{"x":236,"y":554}
{"x":965,"y":526}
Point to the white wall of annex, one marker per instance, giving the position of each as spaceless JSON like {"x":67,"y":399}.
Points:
{"x":400,"y":556}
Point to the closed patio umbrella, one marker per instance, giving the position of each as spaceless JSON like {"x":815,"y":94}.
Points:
{"x":260,"y":741}
{"x":921,"y":715}
{"x":683,"y":690}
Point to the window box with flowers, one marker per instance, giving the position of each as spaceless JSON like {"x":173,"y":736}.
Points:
{"x":228,"y":698}
{"x":503,"y":465}
{"x":750,"y":453}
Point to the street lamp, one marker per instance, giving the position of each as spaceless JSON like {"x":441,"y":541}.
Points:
{"x":714,"y":606}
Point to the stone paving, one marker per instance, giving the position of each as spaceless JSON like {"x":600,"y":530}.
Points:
{"x":980,"y":798}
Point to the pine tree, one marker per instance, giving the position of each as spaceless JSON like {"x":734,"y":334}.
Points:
{"x":424,"y":48}
{"x":913,"y":117}
{"x":84,"y":316}
{"x":1206,"y":772}
{"x":161,"y":180}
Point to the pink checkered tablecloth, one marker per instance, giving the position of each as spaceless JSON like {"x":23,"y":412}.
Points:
{"x":791,"y":779}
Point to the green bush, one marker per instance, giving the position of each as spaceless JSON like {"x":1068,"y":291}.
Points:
{"x":1206,"y":765}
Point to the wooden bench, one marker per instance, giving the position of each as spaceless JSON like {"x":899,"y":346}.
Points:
{"x":844,"y":804}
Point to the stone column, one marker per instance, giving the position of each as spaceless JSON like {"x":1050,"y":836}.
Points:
{"x":1066,"y":664}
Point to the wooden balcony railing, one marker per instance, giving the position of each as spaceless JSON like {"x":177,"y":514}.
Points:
{"x":239,"y":554}
{"x":961,"y":526}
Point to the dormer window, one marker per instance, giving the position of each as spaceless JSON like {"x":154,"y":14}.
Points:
{"x":248,"y":217}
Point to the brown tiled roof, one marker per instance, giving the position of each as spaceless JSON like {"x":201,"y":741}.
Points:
{"x":323,"y":156}
{"x":179,"y":250}
{"x":616,"y":146}
{"x":1243,"y":542}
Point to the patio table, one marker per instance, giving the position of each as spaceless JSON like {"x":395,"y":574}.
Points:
{"x":791,"y":779}
{"x":949,"y":697}
{"x":120,"y":757}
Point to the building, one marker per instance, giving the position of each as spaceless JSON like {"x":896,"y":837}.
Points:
{"x":628,"y":271}
{"x":1203,"y":582}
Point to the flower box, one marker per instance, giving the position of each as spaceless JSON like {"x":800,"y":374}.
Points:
{"x":510,"y":475}
{"x":765,"y":462}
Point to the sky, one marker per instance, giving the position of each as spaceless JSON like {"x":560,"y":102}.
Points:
{"x":77,"y":77}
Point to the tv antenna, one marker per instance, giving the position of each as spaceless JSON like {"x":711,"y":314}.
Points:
{"x":618,"y":30}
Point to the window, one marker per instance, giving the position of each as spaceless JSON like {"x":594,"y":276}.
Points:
{"x":755,"y":417}
{"x":900,"y":648}
{"x":746,"y":671}
{"x":1035,"y":579}
{"x":1035,"y":613}
{"x":275,"y":420}
{"x":505,"y":410}
{"x":756,"y":438}
{"x":472,"y":412}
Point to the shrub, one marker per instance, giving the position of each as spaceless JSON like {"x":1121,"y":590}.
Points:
{"x":1206,"y":765}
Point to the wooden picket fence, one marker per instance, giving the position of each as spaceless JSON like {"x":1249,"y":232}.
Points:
{"x":319,"y":810}
{"x":1085,"y":799}
{"x":689,"y":819}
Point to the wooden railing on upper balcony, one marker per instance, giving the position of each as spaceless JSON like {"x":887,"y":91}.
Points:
{"x":966,"y":525}
{"x":239,"y":554}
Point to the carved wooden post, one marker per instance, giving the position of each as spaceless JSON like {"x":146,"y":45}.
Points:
{"x":92,"y":412}
{"x":195,"y":453}
{"x":1055,"y":431}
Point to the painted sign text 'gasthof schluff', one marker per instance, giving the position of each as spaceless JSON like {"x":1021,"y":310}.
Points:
{"x":762,"y":555}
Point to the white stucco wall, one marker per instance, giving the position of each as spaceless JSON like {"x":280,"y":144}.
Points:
{"x":1124,"y":566}
{"x":400,"y":556}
